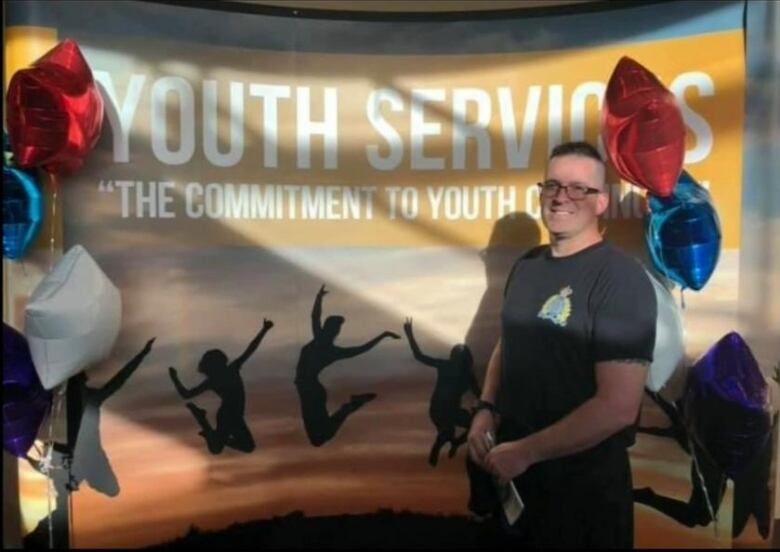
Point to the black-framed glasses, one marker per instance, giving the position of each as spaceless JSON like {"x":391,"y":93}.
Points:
{"x":575,"y":192}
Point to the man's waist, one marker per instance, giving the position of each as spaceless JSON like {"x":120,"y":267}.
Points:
{"x":602,"y":454}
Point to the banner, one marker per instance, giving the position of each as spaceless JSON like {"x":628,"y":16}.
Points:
{"x":282,"y":178}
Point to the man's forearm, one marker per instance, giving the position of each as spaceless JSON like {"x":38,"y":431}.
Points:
{"x":492,"y":375}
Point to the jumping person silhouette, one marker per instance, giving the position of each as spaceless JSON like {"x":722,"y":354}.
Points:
{"x":316,"y":355}
{"x":224,"y":379}
{"x":695,"y":511}
{"x":90,"y":462}
{"x":751,"y":494}
{"x":454,"y":377}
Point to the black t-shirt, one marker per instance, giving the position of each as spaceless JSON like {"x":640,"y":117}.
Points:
{"x":561,"y":316}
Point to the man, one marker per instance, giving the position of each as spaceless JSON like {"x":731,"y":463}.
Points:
{"x":564,"y":383}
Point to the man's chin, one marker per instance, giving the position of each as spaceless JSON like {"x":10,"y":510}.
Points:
{"x":558,"y":228}
{"x":559,"y":236}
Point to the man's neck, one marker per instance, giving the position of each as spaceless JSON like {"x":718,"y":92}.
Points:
{"x":562,"y":246}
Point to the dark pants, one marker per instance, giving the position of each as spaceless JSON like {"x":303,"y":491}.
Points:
{"x":581,"y":501}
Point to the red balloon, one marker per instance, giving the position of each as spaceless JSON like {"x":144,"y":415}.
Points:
{"x":55,"y":111}
{"x":642,"y":128}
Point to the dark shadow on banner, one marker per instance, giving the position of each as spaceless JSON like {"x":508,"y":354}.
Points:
{"x":512,"y":235}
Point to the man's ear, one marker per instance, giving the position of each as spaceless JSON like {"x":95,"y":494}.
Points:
{"x":602,"y":203}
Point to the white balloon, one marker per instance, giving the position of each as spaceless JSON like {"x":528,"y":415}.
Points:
{"x":669,"y":351}
{"x":72,"y":319}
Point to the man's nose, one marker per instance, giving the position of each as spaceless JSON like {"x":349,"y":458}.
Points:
{"x":561,"y":191}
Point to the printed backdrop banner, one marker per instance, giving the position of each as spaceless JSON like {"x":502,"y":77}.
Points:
{"x":248,"y":159}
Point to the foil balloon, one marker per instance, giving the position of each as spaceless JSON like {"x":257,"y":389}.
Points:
{"x":25,"y":402}
{"x":683,"y":234}
{"x":22,"y":211}
{"x":726,"y":405}
{"x":54,"y":111}
{"x":8,"y":155}
{"x":669,"y":350}
{"x":642,"y":128}
{"x":72,"y":319}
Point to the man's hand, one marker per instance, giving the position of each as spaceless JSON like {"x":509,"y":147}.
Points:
{"x":481,"y":423}
{"x":508,"y":460}
{"x":267,"y":324}
{"x":391,"y":334}
{"x":322,"y":292}
{"x":172,"y":373}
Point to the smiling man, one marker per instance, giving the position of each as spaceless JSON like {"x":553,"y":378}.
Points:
{"x":565,"y":381}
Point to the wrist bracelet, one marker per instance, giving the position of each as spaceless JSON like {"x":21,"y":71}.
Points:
{"x":485,"y":405}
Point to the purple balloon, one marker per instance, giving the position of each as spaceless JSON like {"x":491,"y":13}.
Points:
{"x":726,"y":404}
{"x":25,"y":401}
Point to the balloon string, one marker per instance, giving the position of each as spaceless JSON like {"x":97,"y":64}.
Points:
{"x":53,"y":218}
{"x":49,"y":485}
{"x":46,"y":460}
{"x":707,"y":498}
{"x":47,"y":466}
{"x":682,"y":298}
{"x":699,"y":475}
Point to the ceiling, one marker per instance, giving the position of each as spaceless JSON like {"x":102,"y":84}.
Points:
{"x":414,"y":5}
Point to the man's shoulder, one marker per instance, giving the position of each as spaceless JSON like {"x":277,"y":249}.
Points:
{"x":534,"y":253}
{"x":521,"y":263}
{"x":623,"y":266}
{"x":538,"y":253}
{"x":619,"y":258}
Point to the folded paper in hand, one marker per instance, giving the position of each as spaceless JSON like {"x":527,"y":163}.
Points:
{"x":511,"y":502}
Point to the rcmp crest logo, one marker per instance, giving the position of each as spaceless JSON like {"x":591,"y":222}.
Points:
{"x":557,"y":308}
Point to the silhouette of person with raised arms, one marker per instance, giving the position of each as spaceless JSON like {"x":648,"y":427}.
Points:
{"x":90,"y":462}
{"x":316,"y":355}
{"x":750,"y":493}
{"x":224,"y":379}
{"x":453,"y":378}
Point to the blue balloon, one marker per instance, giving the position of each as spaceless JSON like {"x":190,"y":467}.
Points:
{"x":22,"y":211}
{"x":683,"y":234}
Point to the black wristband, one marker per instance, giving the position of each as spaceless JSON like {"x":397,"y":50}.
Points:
{"x":485,"y":405}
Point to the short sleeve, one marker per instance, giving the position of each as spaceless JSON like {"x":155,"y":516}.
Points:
{"x":624,"y":312}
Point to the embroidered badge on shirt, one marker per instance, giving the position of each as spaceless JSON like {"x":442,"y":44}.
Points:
{"x":557,"y":308}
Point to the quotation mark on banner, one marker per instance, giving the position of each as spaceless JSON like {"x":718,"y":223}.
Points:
{"x":106,"y":186}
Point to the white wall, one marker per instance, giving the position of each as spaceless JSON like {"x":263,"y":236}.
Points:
{"x":759,"y":293}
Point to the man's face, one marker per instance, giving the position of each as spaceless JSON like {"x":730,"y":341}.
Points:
{"x":567,"y":218}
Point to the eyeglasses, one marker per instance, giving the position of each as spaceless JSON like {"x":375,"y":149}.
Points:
{"x":575,"y":192}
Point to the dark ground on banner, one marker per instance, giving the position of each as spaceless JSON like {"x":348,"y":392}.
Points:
{"x":384,"y":529}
